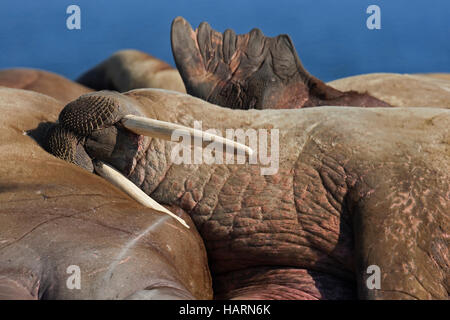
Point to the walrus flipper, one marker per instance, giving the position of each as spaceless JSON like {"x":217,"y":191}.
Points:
{"x":251,"y":71}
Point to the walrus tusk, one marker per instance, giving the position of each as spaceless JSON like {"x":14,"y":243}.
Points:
{"x":164,"y":130}
{"x":117,"y":179}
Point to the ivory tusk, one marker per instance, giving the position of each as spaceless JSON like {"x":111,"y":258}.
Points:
{"x":164,"y":130}
{"x":120,"y":181}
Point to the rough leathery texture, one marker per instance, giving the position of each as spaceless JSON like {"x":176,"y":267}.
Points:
{"x":61,"y":143}
{"x":282,"y":283}
{"x":251,"y":71}
{"x":364,"y":180}
{"x":341,"y":177}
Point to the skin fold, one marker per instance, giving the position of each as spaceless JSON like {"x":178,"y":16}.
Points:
{"x":374,"y":191}
{"x":54,"y":214}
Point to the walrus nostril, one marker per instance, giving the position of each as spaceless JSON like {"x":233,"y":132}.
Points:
{"x":89,"y":113}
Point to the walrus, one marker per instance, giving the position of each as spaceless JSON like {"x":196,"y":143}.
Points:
{"x":401,"y":90}
{"x":234,"y":71}
{"x":355,"y":188}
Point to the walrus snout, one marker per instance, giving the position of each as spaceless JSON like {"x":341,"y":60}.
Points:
{"x":89,"y":128}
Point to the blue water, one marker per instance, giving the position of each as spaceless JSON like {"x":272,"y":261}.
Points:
{"x":331,"y":36}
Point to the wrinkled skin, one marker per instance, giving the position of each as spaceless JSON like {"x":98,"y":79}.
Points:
{"x":251,"y":71}
{"x":355,"y":187}
{"x":54,"y":215}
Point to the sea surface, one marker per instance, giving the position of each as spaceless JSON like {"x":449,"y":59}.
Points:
{"x":331,"y":36}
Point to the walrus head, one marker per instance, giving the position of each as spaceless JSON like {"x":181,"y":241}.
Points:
{"x":106,"y":133}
